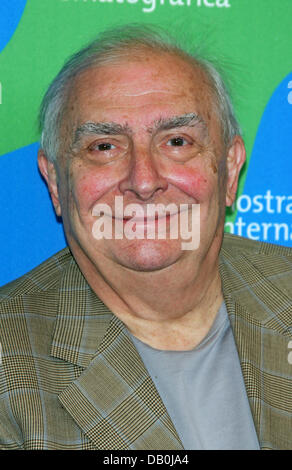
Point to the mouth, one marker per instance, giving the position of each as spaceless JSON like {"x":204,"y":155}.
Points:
{"x":146,"y":219}
{"x":162,"y":224}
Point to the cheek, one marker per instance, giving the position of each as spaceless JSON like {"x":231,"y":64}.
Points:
{"x":87,"y":188}
{"x":194,"y":182}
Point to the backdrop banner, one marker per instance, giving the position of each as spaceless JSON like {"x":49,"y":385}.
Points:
{"x":249,"y":39}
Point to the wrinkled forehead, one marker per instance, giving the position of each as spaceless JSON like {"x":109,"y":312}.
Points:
{"x":161,"y":81}
{"x":135,"y":75}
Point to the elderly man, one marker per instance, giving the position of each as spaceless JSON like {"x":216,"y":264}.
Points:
{"x":127,"y":340}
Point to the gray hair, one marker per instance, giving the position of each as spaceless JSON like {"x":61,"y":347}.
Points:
{"x":110,"y":47}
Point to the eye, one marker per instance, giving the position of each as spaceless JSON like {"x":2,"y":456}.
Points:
{"x":177,"y":142}
{"x":106,"y":149}
{"x":103,"y":146}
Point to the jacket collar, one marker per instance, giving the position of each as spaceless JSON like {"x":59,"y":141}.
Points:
{"x":247,"y":283}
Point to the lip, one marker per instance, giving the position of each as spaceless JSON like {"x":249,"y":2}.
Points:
{"x":145,"y":219}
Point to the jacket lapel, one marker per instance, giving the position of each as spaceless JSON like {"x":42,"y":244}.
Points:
{"x":259,"y":313}
{"x":114,"y":400}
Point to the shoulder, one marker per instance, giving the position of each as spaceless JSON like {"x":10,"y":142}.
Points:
{"x":28,"y":308}
{"x":29,"y":305}
{"x":238,"y":246}
{"x":44,"y":277}
{"x":257,"y":274}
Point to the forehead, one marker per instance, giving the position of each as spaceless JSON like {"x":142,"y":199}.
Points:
{"x":156,"y":85}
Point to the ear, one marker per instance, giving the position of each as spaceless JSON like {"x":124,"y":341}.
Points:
{"x":49,"y":173}
{"x":235,"y":159}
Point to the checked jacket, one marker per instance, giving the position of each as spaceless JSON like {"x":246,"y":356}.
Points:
{"x":70,"y":377}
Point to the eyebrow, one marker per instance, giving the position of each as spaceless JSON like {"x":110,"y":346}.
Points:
{"x":185,"y":120}
{"x":112,"y":128}
{"x":105,"y":128}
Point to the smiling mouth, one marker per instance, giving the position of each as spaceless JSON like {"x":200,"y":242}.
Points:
{"x":146,"y":219}
{"x":159,"y":224}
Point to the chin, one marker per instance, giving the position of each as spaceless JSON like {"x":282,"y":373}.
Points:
{"x":149,"y":255}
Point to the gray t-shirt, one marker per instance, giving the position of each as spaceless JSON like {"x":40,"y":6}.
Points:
{"x":203,"y":390}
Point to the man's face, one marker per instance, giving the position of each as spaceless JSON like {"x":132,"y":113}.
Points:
{"x":146,"y":131}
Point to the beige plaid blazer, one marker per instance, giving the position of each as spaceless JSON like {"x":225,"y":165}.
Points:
{"x":72,"y":379}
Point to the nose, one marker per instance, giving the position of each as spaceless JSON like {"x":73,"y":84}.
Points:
{"x":143,"y":180}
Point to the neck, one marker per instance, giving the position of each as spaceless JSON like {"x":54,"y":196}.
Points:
{"x":172,"y":308}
